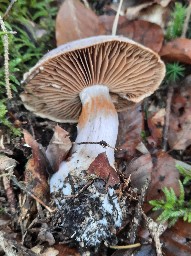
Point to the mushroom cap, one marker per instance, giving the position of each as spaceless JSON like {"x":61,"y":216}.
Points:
{"x":130,"y":70}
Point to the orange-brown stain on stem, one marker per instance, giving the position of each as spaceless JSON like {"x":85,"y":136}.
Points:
{"x":97,"y":106}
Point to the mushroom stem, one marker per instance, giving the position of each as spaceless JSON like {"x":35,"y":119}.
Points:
{"x":98,"y":121}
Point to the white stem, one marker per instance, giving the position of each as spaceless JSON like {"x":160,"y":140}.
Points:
{"x":98,"y":121}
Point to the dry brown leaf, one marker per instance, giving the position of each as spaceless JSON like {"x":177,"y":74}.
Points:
{"x":75,"y":21}
{"x":131,"y":9}
{"x":50,"y":252}
{"x":36,"y":171}
{"x":102,"y":169}
{"x":143,"y":32}
{"x":64,"y":250}
{"x":130,"y":128}
{"x":140,"y":170}
{"x":176,"y":240}
{"x":155,"y":124}
{"x":153,"y":11}
{"x":164,"y":174}
{"x":156,"y":14}
{"x":179,"y":136}
{"x":58,"y":147}
{"x":177,"y":50}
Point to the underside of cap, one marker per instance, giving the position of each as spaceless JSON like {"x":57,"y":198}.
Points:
{"x":130,"y":70}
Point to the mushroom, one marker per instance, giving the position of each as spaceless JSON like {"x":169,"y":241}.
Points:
{"x":90,"y":80}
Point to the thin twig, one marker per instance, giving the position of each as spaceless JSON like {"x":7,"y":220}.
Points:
{"x":8,"y":9}
{"x":102,"y":143}
{"x":22,"y":187}
{"x":5,"y":40}
{"x":167,"y":117}
{"x":129,"y":246}
{"x":186,"y":21}
{"x":138,"y":213}
{"x":156,"y":231}
{"x":115,"y":23}
{"x":89,"y":183}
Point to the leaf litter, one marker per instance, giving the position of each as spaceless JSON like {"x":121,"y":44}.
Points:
{"x":135,"y":168}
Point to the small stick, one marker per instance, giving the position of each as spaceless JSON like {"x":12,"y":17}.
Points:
{"x":167,"y":117}
{"x":5,"y":40}
{"x":156,"y":231}
{"x":89,"y":183}
{"x":129,"y":246}
{"x":13,"y":178}
{"x":187,"y":19}
{"x":115,"y":23}
{"x":102,"y":143}
{"x":138,"y":213}
{"x":8,"y":9}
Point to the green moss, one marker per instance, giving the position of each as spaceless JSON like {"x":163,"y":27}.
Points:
{"x":33,"y":21}
{"x":176,"y":23}
{"x":174,"y":71}
{"x":27,"y":18}
{"x":172,"y":207}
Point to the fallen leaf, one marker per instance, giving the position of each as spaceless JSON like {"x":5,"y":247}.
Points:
{"x":65,"y":250}
{"x":130,"y":127}
{"x":36,"y":171}
{"x":176,"y":240}
{"x":155,"y":123}
{"x":140,"y":170}
{"x":177,"y":50}
{"x":143,"y":32}
{"x":130,"y":9}
{"x":164,"y":174}
{"x":179,"y":136}
{"x":50,"y":252}
{"x":153,"y":11}
{"x":102,"y":169}
{"x":157,"y":14}
{"x":75,"y":21}
{"x":58,"y":147}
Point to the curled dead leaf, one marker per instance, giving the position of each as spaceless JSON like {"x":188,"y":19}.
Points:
{"x":140,"y":170}
{"x":176,"y":240}
{"x":75,"y":21}
{"x":155,"y":124}
{"x":130,"y":128}
{"x":58,"y":147}
{"x":102,"y":169}
{"x":177,"y":50}
{"x":164,"y":174}
{"x":141,"y":31}
{"x":179,"y":136}
{"x":36,"y":171}
{"x":65,"y":250}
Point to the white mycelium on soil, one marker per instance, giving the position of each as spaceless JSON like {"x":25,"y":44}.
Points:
{"x":93,"y":215}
